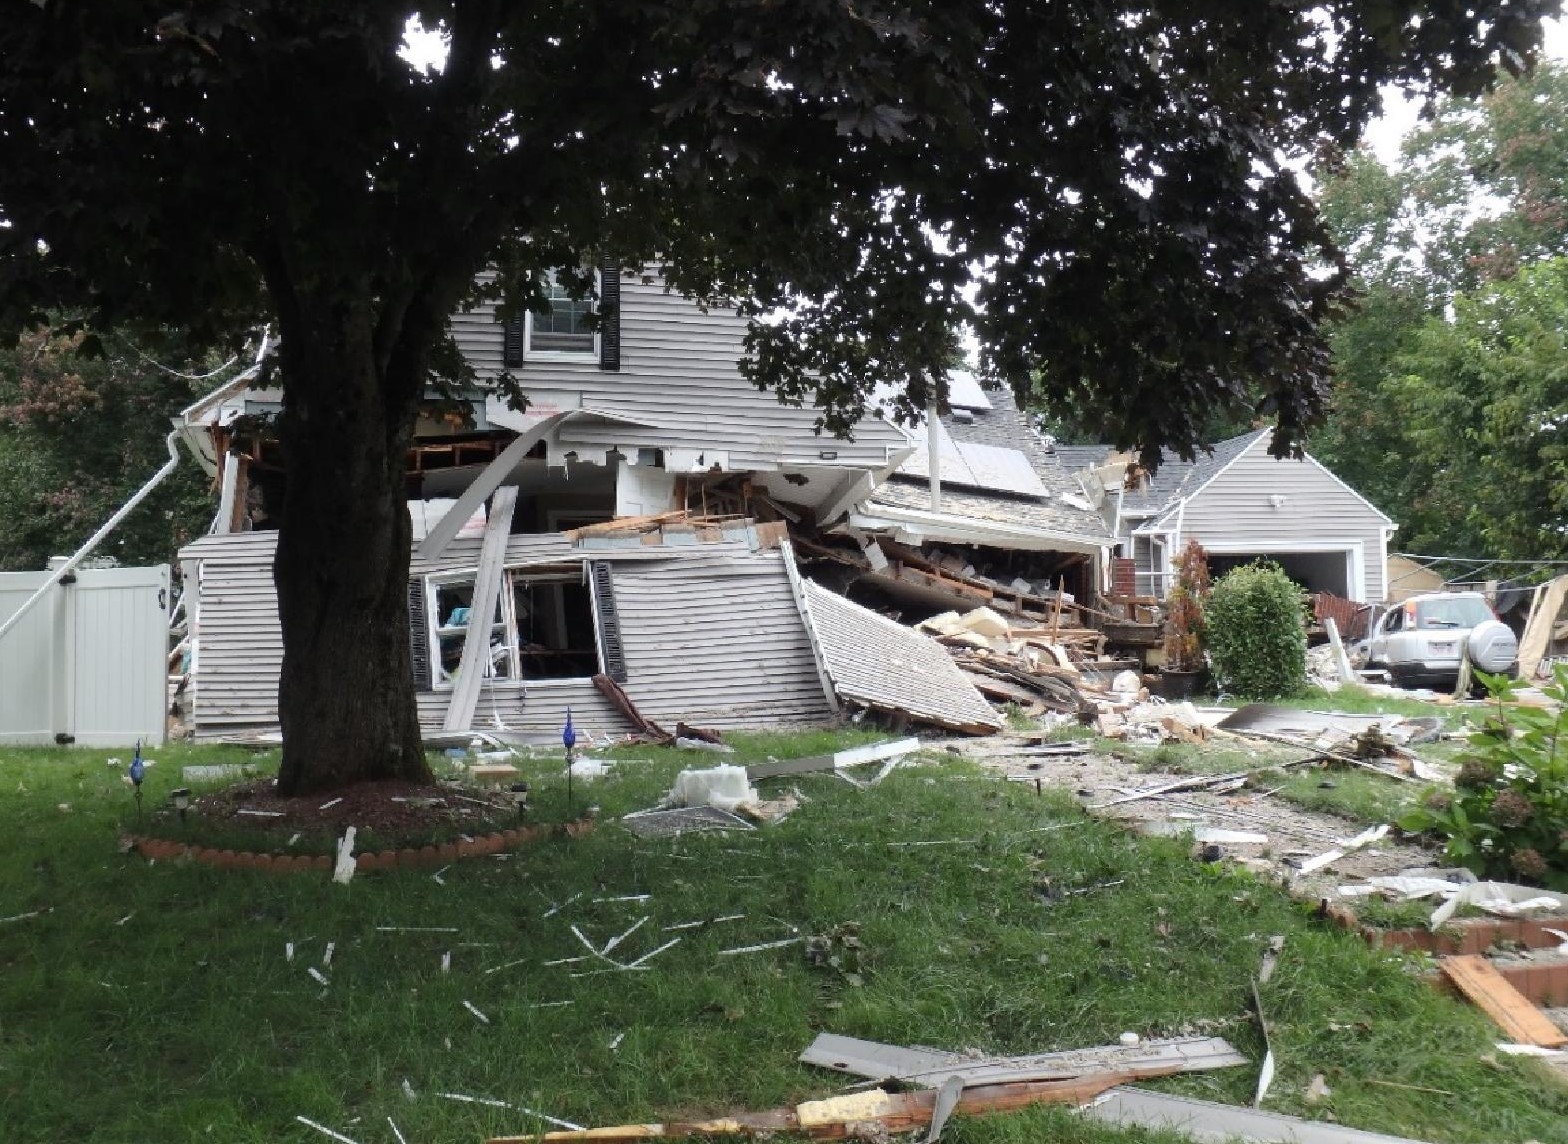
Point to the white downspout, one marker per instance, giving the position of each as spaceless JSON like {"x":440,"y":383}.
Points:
{"x":934,"y":453}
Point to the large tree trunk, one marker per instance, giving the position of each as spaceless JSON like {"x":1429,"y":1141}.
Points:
{"x":346,"y":694}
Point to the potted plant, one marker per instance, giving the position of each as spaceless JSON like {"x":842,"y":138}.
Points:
{"x":1184,"y":606}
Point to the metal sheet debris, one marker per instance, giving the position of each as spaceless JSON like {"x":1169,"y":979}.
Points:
{"x":666,"y":823}
{"x":1210,"y":1123}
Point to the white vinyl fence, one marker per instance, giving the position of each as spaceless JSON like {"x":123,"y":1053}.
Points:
{"x":88,"y":664}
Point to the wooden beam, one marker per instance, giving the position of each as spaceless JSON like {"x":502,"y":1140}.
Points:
{"x":487,"y":590}
{"x":841,"y":1117}
{"x":483,"y":485}
{"x":1494,"y":995}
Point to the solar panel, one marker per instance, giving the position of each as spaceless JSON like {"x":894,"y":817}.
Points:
{"x":964,"y":392}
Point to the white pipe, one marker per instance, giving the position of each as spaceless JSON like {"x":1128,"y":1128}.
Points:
{"x":82,"y":553}
{"x":934,"y":453}
{"x":141,"y":494}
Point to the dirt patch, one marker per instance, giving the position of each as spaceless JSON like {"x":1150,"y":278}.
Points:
{"x":393,"y":812}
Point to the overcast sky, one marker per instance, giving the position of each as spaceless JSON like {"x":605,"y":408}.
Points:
{"x":1399,"y":114}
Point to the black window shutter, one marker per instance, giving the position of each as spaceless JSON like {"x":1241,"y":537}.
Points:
{"x":419,"y":634}
{"x":610,"y":317}
{"x":611,"y":652}
{"x":512,"y":345}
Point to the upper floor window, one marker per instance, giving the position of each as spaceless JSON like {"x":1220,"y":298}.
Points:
{"x":569,"y":329}
{"x":564,"y":330}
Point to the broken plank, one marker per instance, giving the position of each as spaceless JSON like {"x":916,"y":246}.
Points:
{"x":928,"y":1067}
{"x":874,"y":752}
{"x":1492,"y":993}
{"x":842,"y":1117}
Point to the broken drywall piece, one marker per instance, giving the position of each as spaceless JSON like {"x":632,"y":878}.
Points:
{"x":1502,"y":898}
{"x":722,"y":787}
{"x":1365,"y":838}
{"x":344,"y":868}
{"x":947,"y":1098}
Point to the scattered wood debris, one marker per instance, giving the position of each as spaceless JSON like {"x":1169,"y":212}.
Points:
{"x":871,"y":1113}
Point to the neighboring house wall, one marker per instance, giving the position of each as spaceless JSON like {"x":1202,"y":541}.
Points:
{"x":1233,"y":513}
{"x":711,"y":637}
{"x":678,"y":387}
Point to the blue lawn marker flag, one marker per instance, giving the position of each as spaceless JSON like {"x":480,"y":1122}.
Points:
{"x":138,"y":771}
{"x":568,"y":732}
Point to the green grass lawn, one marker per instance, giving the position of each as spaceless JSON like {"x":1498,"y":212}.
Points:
{"x":154,"y":1002}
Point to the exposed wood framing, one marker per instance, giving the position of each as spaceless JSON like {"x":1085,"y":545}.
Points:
{"x":483,"y":485}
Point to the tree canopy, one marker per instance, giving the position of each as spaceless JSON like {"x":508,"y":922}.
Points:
{"x":1097,"y":188}
{"x":1450,"y":370}
{"x":78,"y":435}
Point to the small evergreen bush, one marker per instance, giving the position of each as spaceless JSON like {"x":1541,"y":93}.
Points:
{"x":1257,"y":643}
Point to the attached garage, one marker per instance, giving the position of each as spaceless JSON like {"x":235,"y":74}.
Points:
{"x":1241,"y":504}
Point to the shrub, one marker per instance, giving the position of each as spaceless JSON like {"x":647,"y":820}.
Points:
{"x":1507,"y":817}
{"x":1257,"y":643}
{"x":1184,"y":620}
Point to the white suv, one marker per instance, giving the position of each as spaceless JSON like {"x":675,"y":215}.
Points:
{"x":1422,"y":641}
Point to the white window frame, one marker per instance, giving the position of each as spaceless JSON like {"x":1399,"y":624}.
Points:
{"x":531,"y":354}
{"x":515,"y":680}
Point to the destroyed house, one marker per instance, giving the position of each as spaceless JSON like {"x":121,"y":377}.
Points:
{"x":999,"y":499}
{"x":686,"y":605}
{"x":1241,"y":504}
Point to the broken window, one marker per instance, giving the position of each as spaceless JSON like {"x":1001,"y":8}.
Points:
{"x":542,"y":627}
{"x":454,"y":622}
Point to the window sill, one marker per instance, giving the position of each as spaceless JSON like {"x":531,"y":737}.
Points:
{"x":509,"y":685}
{"x":583,"y":357}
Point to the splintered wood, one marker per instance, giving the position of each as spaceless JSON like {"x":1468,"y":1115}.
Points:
{"x":1491,"y":992}
{"x":841,"y":1117}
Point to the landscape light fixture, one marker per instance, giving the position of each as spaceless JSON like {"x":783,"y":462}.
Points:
{"x":138,"y":773}
{"x":520,"y":799}
{"x":568,"y":740}
{"x":182,"y":800}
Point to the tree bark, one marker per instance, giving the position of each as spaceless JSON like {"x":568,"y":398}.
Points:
{"x":346,"y":692}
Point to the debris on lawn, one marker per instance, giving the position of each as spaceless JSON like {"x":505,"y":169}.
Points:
{"x":868,"y":1114}
{"x":853,"y":756}
{"x":928,"y":1068}
{"x":1457,"y":888}
{"x":1208,"y":1120}
{"x":1489,"y":991}
{"x":325,"y":1131}
{"x":760,"y":948}
{"x":343,"y":869}
{"x":722,"y":787}
{"x":840,"y":950}
{"x":472,"y":1008}
{"x":668,"y":823}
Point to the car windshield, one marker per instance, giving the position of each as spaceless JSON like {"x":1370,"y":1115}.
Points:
{"x":1452,"y":612}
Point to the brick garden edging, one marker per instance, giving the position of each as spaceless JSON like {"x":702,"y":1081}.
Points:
{"x":407,"y":858}
{"x":1542,"y":984}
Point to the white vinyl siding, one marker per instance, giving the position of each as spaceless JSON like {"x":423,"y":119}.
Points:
{"x":711,"y":637}
{"x":678,"y":386}
{"x":1235,"y":513}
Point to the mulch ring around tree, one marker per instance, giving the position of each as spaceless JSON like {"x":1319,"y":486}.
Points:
{"x":394,"y":811}
{"x":249,"y":825}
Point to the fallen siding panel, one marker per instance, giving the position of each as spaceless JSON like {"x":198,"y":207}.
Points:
{"x":877,"y":663}
{"x":715,"y":639}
